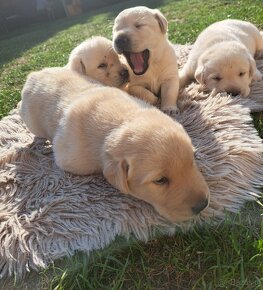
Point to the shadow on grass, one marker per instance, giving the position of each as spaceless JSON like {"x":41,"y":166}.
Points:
{"x":14,"y":44}
{"x":201,"y":259}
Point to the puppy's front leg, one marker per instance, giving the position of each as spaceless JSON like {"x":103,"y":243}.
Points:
{"x":143,"y":93}
{"x":169,"y":95}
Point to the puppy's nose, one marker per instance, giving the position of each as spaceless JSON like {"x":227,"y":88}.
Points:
{"x":235,"y":92}
{"x":122,"y":42}
{"x":200,"y":206}
{"x":124,"y":74}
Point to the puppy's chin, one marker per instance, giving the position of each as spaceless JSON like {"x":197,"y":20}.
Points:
{"x":117,"y":81}
{"x":117,"y":84}
{"x":245,"y":92}
{"x":239,"y":93}
{"x":177,"y":216}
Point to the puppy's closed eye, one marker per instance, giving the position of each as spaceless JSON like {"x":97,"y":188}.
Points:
{"x":102,"y":65}
{"x":217,"y":78}
{"x":161,"y":181}
{"x":139,"y":25}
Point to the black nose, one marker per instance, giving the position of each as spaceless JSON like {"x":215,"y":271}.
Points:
{"x":122,"y":42}
{"x":200,"y":206}
{"x":234,"y":93}
{"x":124,"y":74}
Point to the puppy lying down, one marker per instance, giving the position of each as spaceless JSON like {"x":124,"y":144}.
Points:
{"x":222,"y":58}
{"x":96,"y":58}
{"x":140,"y":34}
{"x":45,"y":96}
{"x":139,"y":149}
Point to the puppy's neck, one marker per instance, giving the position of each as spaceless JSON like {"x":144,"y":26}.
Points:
{"x":165,"y":48}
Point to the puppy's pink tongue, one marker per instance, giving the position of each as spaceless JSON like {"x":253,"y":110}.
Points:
{"x":137,"y":61}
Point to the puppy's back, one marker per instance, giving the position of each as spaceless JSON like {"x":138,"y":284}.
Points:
{"x":87,"y":122}
{"x":230,"y":30}
{"x":46,"y":94}
{"x":98,"y":111}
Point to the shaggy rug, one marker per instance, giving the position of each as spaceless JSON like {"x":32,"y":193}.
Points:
{"x":46,"y":213}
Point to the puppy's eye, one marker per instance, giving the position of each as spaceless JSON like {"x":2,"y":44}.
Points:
{"x":217,"y":78}
{"x":241,"y":74}
{"x":139,"y":25}
{"x":102,"y":65}
{"x":161,"y":181}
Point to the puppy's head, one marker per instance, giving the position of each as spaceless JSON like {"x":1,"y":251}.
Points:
{"x":137,"y":34}
{"x":152,"y":159}
{"x":226,"y":67}
{"x":97,"y":59}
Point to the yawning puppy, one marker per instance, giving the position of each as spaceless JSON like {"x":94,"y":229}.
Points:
{"x":222,"y":58}
{"x":140,"y":34}
{"x":139,"y":149}
{"x":97,"y":59}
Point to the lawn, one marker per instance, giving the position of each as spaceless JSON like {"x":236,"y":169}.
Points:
{"x":225,"y":256}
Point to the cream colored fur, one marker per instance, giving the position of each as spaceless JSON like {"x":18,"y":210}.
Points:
{"x":96,"y":58}
{"x":140,"y":151}
{"x":146,"y":28}
{"x":222,"y":58}
{"x":45,"y":96}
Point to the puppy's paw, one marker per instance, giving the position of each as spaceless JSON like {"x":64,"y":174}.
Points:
{"x":171,"y":111}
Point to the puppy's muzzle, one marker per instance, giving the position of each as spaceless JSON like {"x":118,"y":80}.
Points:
{"x":124,"y":74}
{"x":122,"y":43}
{"x":234,"y":92}
{"x":201,"y":205}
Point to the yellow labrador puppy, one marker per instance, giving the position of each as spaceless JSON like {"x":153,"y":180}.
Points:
{"x":222,"y":58}
{"x":94,"y":58}
{"x":140,"y":150}
{"x":97,"y":59}
{"x":140,"y":34}
{"x":45,"y":96}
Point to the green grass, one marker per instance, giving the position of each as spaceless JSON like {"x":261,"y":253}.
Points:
{"x":226,"y":256}
{"x":203,"y":258}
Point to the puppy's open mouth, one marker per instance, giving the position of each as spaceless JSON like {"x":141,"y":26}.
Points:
{"x":138,"y":61}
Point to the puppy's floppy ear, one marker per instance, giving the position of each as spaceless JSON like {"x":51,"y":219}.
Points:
{"x":76,"y":64}
{"x":199,"y":74}
{"x":252,"y":66}
{"x":163,"y":24}
{"x":116,"y":173}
